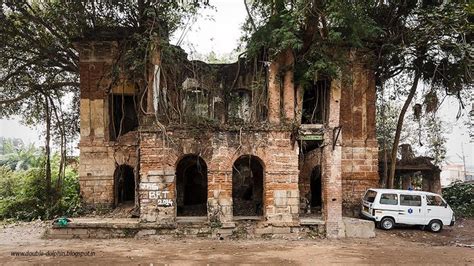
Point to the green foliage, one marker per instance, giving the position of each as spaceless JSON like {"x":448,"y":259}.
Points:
{"x":23,"y":193}
{"x":436,"y":139}
{"x":19,"y":156}
{"x":318,"y":32}
{"x":460,"y":196}
{"x":40,"y":64}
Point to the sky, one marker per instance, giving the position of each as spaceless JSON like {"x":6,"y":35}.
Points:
{"x":215,"y":30}
{"x":218,"y":30}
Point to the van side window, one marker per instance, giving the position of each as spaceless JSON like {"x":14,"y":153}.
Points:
{"x":410,"y":200}
{"x":389,"y":199}
{"x":434,"y":201}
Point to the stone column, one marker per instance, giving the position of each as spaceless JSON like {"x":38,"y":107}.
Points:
{"x":273,"y":93}
{"x":289,"y":87}
{"x":436,"y":185}
{"x":220,"y":198}
{"x":331,"y":166}
{"x":157,"y":186}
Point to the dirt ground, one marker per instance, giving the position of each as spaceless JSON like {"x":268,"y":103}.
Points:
{"x":405,"y":245}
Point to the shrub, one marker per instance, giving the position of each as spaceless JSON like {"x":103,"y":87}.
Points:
{"x":460,"y":197}
{"x":23,"y":193}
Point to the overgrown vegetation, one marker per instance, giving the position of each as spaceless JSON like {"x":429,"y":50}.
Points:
{"x":39,"y":69}
{"x":426,"y":42}
{"x":23,"y":191}
{"x":460,"y":197}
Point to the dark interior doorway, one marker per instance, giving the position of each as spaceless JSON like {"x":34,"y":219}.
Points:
{"x":316,"y":189}
{"x":124,"y":184}
{"x":247,"y":186}
{"x":191,"y":186}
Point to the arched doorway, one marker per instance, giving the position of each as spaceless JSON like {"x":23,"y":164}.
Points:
{"x":124,"y":183}
{"x":191,"y":186}
{"x":247,"y":186}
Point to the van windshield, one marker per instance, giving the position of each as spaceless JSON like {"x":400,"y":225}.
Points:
{"x":370,"y":196}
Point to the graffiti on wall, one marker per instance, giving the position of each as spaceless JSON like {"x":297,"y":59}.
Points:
{"x":162,"y":196}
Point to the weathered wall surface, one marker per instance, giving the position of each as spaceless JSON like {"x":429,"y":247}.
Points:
{"x":359,"y":152}
{"x":99,"y":157}
{"x":159,"y":157}
{"x":348,"y":163}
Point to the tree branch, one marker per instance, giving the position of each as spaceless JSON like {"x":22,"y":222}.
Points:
{"x":250,"y":16}
{"x":35,"y":88}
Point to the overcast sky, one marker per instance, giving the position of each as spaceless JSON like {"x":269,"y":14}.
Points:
{"x":219,"y":30}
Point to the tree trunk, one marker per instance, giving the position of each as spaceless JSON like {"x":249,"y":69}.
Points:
{"x":385,"y":165}
{"x":47,"y":150}
{"x":384,"y":180}
{"x":398,"y":131}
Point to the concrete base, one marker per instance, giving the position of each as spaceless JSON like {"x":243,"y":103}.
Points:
{"x":358,"y":228}
{"x":184,"y":227}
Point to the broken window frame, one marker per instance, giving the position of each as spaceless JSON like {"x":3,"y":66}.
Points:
{"x":239,"y":107}
{"x":116,"y":127}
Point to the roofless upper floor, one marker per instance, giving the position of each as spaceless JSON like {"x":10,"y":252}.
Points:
{"x":166,"y":87}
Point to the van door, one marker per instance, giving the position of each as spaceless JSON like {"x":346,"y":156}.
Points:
{"x":436,"y":209}
{"x":388,"y":206}
{"x":411,"y":210}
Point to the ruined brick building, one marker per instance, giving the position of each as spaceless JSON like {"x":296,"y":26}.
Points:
{"x":224,"y":142}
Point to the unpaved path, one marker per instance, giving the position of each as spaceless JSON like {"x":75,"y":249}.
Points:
{"x":406,"y":245}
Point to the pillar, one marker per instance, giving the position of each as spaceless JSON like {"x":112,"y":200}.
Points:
{"x":331,"y":166}
{"x":273,"y":93}
{"x":289,"y":87}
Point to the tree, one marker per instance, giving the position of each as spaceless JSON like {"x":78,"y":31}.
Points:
{"x":436,"y":139}
{"x":39,"y":64}
{"x":309,"y":31}
{"x":433,"y":47}
{"x":428,"y":41}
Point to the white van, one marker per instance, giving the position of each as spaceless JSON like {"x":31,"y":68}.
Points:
{"x":388,"y":207}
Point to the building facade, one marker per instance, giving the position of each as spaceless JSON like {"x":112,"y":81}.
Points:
{"x":224,"y":141}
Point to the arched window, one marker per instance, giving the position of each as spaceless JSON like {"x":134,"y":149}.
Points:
{"x":247,"y":186}
{"x":191,"y":186}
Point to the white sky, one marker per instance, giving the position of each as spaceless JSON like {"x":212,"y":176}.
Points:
{"x":215,"y":30}
{"x":219,"y":30}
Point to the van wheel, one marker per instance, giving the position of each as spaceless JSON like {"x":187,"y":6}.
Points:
{"x":387,"y":223}
{"x":435,"y":226}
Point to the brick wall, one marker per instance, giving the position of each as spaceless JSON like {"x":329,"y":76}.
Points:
{"x":359,"y":152}
{"x":159,"y":157}
{"x":348,"y":164}
{"x":98,"y":157}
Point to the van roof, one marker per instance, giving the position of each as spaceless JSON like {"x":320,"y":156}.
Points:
{"x":386,"y":190}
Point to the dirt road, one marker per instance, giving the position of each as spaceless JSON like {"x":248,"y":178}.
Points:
{"x":406,"y":245}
